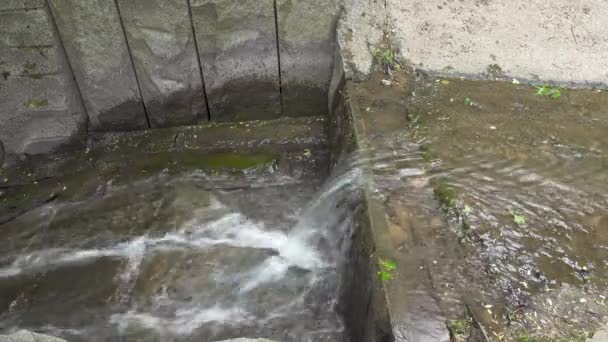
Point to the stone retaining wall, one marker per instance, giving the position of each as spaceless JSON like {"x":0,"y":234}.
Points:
{"x":72,"y":66}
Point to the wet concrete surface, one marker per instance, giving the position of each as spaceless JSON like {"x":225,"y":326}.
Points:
{"x":495,"y":202}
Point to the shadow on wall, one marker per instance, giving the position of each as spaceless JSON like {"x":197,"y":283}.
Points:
{"x":137,"y":64}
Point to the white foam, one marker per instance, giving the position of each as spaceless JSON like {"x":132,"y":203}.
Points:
{"x":184,"y":321}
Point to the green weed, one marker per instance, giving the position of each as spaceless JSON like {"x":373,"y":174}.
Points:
{"x":387,"y":267}
{"x":553,"y":93}
{"x":459,"y":327}
{"x":387,"y":58}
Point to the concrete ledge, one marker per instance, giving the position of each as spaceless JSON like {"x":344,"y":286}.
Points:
{"x":365,"y":304}
{"x":395,"y":309}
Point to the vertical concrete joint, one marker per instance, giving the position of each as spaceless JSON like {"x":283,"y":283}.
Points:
{"x":276,"y":27}
{"x":124,"y":34}
{"x":198,"y":60}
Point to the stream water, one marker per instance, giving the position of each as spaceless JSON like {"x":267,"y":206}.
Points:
{"x":504,"y":194}
{"x":185,"y":257}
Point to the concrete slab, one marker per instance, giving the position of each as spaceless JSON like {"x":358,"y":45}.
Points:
{"x":306,"y":46}
{"x":238,"y":54}
{"x":562,"y":41}
{"x":162,"y":42}
{"x":93,"y":37}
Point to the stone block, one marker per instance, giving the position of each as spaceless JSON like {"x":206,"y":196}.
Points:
{"x":161,"y":39}
{"x":238,"y":53}
{"x":306,"y":45}
{"x":25,"y":28}
{"x":94,"y":41}
{"x":41,"y":110}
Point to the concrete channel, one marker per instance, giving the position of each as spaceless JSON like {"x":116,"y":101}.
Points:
{"x":104,"y":95}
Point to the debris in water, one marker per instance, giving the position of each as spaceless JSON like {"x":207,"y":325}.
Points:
{"x":386,"y":83}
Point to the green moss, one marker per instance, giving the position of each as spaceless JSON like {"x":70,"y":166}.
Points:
{"x":228,"y":161}
{"x":445,"y":193}
{"x":38,"y":103}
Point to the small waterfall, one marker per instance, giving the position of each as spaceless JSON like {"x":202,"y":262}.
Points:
{"x":223,"y":273}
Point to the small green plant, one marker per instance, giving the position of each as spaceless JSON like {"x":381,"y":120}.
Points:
{"x":387,"y":58}
{"x":518,"y":218}
{"x":553,"y":93}
{"x":459,"y":327}
{"x":468,"y":101}
{"x":387,"y":267}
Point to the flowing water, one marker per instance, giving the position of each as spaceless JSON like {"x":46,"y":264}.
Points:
{"x":183,"y":257}
{"x":500,"y":197}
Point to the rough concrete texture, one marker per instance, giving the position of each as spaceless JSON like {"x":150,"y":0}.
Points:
{"x":10,"y":5}
{"x":94,"y":40}
{"x":306,"y":46}
{"x":562,"y":41}
{"x":161,"y":39}
{"x":238,"y":54}
{"x":28,"y":336}
{"x":360,"y":29}
{"x":40,"y":106}
{"x":247,"y":340}
{"x":599,"y":336}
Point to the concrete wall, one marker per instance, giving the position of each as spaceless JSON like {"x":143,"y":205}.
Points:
{"x":161,"y":39}
{"x":238,"y":53}
{"x":72,"y":66}
{"x":141,"y":64}
{"x":559,"y":41}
